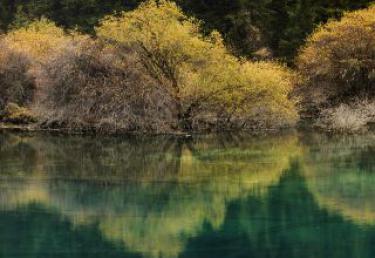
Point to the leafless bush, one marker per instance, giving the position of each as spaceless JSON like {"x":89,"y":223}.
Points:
{"x":16,"y":84}
{"x":93,"y":85}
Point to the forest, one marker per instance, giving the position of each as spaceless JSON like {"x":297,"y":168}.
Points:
{"x":160,"y":66}
{"x":281,"y":26}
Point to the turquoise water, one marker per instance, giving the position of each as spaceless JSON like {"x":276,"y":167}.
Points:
{"x":292,"y":195}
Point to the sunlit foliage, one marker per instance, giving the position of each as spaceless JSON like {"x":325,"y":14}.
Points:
{"x":39,"y":39}
{"x":339,"y":57}
{"x":280,"y":26}
{"x":150,"y":70}
{"x":200,"y":71}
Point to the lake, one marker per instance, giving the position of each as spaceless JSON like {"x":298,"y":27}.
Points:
{"x":289,"y":195}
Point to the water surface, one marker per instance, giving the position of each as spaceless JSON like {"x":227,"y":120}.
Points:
{"x":291,"y":195}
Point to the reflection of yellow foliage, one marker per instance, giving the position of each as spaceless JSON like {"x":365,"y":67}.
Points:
{"x":14,"y":195}
{"x":158,"y":218}
{"x":348,"y":193}
{"x":213,"y":184}
{"x":164,"y":232}
{"x":337,"y":180}
{"x":362,"y":214}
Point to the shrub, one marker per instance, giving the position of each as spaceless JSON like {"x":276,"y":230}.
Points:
{"x":16,"y":84}
{"x":17,"y":115}
{"x":25,"y":51}
{"x":210,"y":86}
{"x":101,"y":87}
{"x":339,"y":58}
{"x":244,"y":95}
{"x":348,"y":118}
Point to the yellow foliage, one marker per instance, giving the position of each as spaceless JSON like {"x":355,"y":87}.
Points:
{"x":340,"y":54}
{"x":249,"y":89}
{"x":337,"y":181}
{"x":39,"y":40}
{"x":18,"y":115}
{"x":200,"y":71}
{"x":167,"y":38}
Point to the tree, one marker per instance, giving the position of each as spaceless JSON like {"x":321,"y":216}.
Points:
{"x":202,"y":76}
{"x":338,"y":57}
{"x":246,"y":25}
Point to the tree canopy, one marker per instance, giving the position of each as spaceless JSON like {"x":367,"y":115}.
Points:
{"x":247,"y":26}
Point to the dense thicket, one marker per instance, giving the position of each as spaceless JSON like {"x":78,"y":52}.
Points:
{"x":16,"y":84}
{"x":150,"y":69}
{"x":210,"y":85}
{"x":155,"y":68}
{"x":248,"y":26}
{"x":340,"y":56}
{"x":93,"y":85}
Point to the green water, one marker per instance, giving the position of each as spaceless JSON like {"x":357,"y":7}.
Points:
{"x":292,"y":195}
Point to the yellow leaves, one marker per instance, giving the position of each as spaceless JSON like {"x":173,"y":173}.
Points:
{"x":195,"y":70}
{"x":150,"y":23}
{"x":201,"y":67}
{"x":338,"y":53}
{"x":169,"y":40}
{"x":39,"y":39}
{"x":270,"y":84}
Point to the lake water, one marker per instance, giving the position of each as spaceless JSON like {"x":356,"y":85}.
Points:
{"x":291,"y":195}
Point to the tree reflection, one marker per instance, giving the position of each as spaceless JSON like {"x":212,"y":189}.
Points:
{"x":150,"y":195}
{"x":340,"y":173}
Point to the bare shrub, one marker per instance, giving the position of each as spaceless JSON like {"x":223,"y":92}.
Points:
{"x":96,"y":86}
{"x":16,"y":84}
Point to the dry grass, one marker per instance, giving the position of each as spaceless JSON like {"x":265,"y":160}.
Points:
{"x":353,"y":117}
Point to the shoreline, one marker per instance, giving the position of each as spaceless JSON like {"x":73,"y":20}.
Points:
{"x":34,"y":128}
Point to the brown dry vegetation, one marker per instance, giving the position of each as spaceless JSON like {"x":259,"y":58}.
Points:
{"x":92,"y":85}
{"x":17,"y":85}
